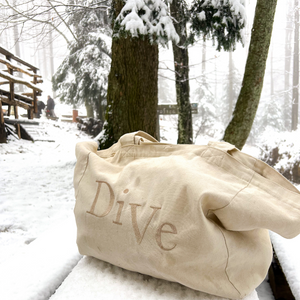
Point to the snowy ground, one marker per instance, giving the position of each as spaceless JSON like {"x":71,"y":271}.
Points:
{"x":37,"y":191}
{"x":36,"y":185}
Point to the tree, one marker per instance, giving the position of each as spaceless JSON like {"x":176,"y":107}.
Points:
{"x":295,"y":102}
{"x":132,"y":81}
{"x":82,"y":76}
{"x":205,"y":121}
{"x":240,"y":125}
{"x":179,"y":13}
{"x":224,"y":21}
{"x":221,"y":20}
{"x":287,"y":68}
{"x":231,"y":87}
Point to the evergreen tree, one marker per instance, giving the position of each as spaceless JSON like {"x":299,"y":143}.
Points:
{"x":222,"y":20}
{"x":132,"y":83}
{"x":205,"y":121}
{"x":82,"y":76}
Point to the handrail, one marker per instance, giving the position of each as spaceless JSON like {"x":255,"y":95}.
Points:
{"x":19,"y":80}
{"x":17,"y":59}
{"x":17,"y":68}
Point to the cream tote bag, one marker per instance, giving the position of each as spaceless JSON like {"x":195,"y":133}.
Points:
{"x":197,"y":215}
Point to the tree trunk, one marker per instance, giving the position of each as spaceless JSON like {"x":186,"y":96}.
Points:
{"x":132,"y":93}
{"x":50,"y":45}
{"x":203,"y":57}
{"x":239,"y":127}
{"x":230,"y":87}
{"x":89,"y":109}
{"x":287,"y":68}
{"x":272,"y":70}
{"x":296,"y":70}
{"x":181,"y":64}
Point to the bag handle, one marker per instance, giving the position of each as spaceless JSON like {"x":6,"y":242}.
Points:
{"x":130,"y":138}
{"x":254,"y":164}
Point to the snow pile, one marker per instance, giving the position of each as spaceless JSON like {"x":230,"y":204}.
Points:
{"x":146,"y":17}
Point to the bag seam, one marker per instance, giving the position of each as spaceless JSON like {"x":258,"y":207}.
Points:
{"x":227,"y":261}
{"x":87,"y":162}
{"x":233,"y":198}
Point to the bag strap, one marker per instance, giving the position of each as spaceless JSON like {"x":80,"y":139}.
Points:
{"x":134,"y":138}
{"x":254,"y":164}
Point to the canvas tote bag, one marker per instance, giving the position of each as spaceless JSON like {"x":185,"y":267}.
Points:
{"x":197,"y":215}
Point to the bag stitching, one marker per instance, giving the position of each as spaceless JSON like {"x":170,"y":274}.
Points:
{"x":87,"y":162}
{"x":227,"y":262}
{"x":233,"y":198}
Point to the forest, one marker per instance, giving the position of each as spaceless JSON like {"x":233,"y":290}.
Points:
{"x":237,"y":59}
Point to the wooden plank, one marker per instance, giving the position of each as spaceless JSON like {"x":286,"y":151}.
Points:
{"x":15,"y":102}
{"x":34,"y":95}
{"x":16,"y":111}
{"x":31,"y":94}
{"x":38,"y":81}
{"x":16,"y":58}
{"x":172,"y":109}
{"x":15,"y":68}
{"x":17,"y":96}
{"x":18,"y":129}
{"x":20,"y":81}
{"x":24,"y":122}
{"x":11,"y":92}
{"x":2,"y":126}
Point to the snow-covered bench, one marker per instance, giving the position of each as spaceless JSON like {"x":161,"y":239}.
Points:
{"x":51,"y":265}
{"x":287,"y":251}
{"x":36,"y":272}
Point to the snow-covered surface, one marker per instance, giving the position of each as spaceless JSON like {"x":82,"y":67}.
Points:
{"x":92,"y":278}
{"x":37,"y":271}
{"x":36,"y":185}
{"x":287,"y":252}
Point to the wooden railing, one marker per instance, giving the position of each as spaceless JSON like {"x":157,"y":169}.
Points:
{"x":8,"y":96}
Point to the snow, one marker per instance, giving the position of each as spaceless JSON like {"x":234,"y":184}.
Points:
{"x":154,"y":20}
{"x":91,"y":278}
{"x":36,"y":185}
{"x":287,"y":252}
{"x":40,"y":268}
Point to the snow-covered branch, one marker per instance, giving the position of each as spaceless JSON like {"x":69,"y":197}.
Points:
{"x":146,"y":17}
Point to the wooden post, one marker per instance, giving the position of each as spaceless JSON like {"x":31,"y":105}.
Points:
{"x":34,"y":94}
{"x":2,"y":126}
{"x":12,"y":89}
{"x":170,"y":109}
{"x":157,"y":127}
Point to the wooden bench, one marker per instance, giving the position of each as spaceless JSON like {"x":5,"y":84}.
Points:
{"x":51,"y":265}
